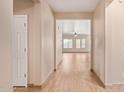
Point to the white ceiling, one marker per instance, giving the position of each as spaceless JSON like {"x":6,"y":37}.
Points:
{"x":73,"y":5}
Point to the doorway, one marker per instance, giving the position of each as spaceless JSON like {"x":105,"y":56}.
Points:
{"x":20,"y":50}
{"x":73,"y":36}
{"x":76,"y":35}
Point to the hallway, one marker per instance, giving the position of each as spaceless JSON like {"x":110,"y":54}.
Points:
{"x":73,"y":75}
{"x":33,"y":40}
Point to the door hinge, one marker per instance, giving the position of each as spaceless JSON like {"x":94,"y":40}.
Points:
{"x":25,"y":49}
{"x":25,"y":75}
{"x":24,"y":24}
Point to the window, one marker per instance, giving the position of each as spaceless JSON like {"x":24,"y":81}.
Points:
{"x":82,"y":27}
{"x":78,"y":26}
{"x":67,"y":43}
{"x":78,"y":43}
{"x":83,"y":45}
{"x":68,"y":27}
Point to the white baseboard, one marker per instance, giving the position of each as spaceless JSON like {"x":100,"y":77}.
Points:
{"x":57,"y":65}
{"x":48,"y":75}
{"x":6,"y":88}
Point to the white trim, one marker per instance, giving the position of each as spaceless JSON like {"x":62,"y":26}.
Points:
{"x":47,"y":77}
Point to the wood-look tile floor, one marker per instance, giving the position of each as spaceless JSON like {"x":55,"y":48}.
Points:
{"x":73,"y":75}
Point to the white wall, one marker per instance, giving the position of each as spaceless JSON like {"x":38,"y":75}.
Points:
{"x":47,"y":40}
{"x":115,"y":43}
{"x":108,"y":41}
{"x":6,"y":12}
{"x":72,"y":15}
{"x":21,"y":5}
{"x":37,"y":44}
{"x":99,"y":40}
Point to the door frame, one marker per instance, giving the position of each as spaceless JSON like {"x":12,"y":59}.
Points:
{"x":91,"y":36}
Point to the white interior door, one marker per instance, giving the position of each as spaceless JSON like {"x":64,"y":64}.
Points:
{"x":20,"y":51}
